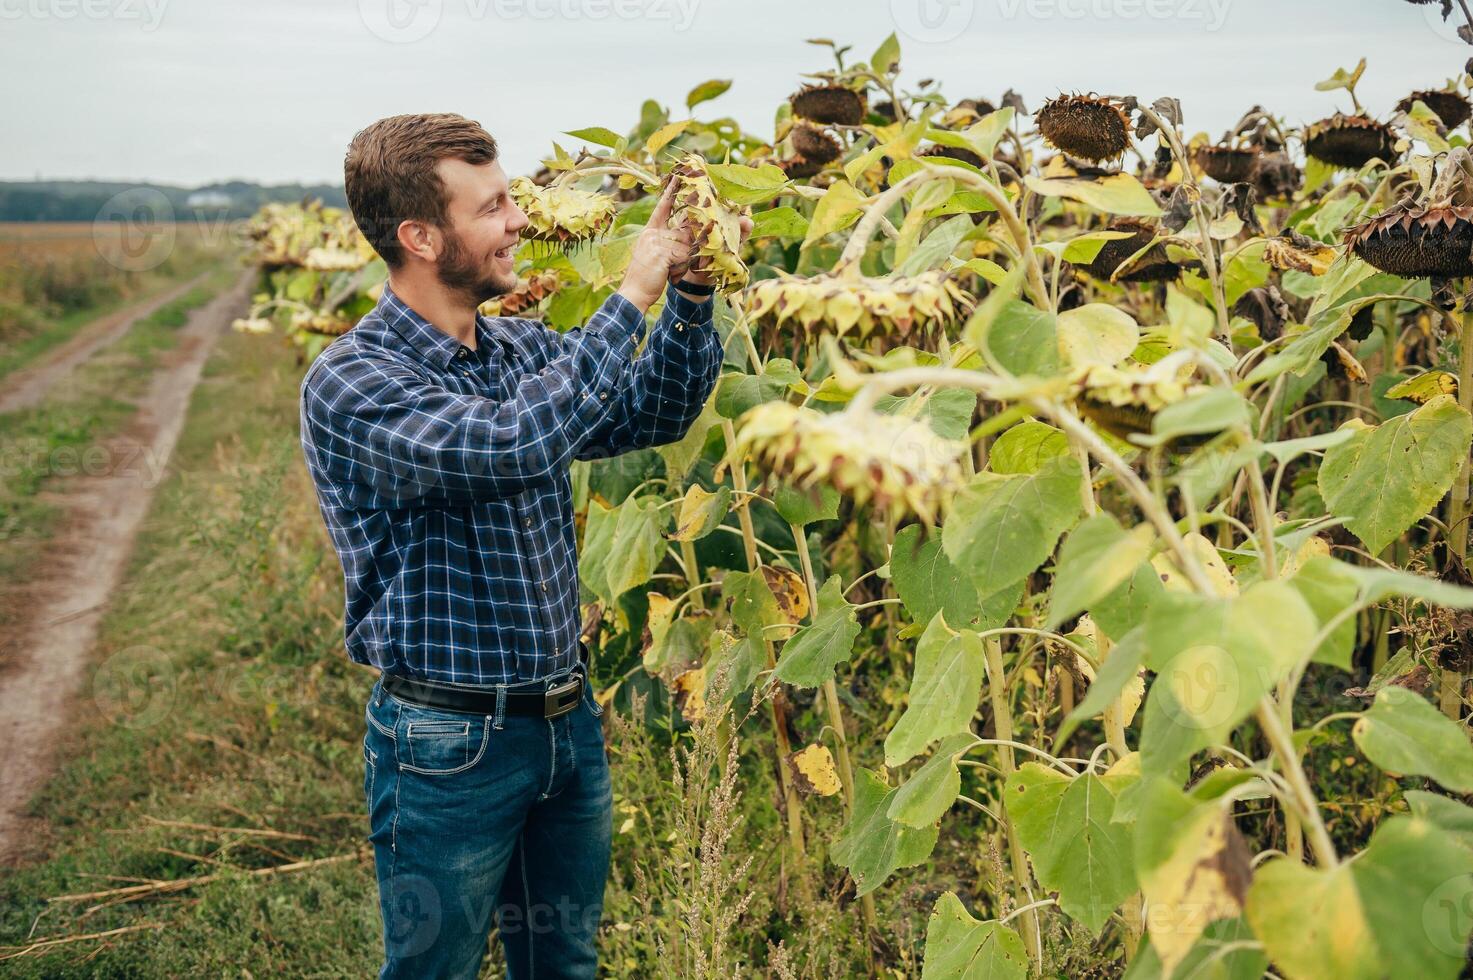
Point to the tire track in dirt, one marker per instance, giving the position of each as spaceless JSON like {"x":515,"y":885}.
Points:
{"x":28,"y":385}
{"x":102,"y":514}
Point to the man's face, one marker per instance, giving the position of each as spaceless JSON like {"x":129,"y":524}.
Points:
{"x":484,"y":223}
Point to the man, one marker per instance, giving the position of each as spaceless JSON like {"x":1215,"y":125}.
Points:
{"x":439,"y":442}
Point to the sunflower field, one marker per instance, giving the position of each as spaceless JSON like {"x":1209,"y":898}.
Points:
{"x":1076,"y":538}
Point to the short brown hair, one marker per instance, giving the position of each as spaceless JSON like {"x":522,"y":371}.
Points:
{"x":389,"y":174}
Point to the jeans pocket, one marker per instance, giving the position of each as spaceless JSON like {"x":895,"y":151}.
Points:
{"x":438,"y":743}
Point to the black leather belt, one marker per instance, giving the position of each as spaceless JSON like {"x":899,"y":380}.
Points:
{"x":552,"y":702}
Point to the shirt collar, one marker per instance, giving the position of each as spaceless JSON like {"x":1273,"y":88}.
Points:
{"x":434,"y":345}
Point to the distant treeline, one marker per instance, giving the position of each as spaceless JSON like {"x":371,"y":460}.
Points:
{"x":85,"y":200}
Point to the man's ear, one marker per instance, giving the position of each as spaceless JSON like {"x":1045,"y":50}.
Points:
{"x":419,"y":239}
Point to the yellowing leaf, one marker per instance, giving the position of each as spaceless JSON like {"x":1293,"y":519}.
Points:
{"x":660,"y":137}
{"x":1206,"y":553}
{"x":837,"y":209}
{"x":1117,"y":194}
{"x":813,"y":771}
{"x":689,"y":689}
{"x":701,"y":512}
{"x":1425,"y":387}
{"x":1096,"y":333}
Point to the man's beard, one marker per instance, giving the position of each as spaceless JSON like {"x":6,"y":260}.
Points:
{"x":460,"y":271}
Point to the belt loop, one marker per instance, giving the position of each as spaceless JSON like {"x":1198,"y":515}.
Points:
{"x":500,"y":715}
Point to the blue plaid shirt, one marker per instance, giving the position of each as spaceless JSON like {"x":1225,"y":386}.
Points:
{"x":442,"y":473}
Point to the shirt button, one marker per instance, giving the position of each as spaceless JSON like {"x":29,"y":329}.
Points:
{"x":463,"y":353}
{"x":526,"y":522}
{"x":604,"y":395}
{"x":544,"y":586}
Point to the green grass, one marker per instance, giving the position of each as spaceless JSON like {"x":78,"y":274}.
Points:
{"x":41,"y":447}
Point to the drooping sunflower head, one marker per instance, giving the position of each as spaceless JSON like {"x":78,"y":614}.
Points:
{"x":560,"y":212}
{"x":1228,"y":164}
{"x":1090,"y":128}
{"x":1431,"y":237}
{"x":531,"y":290}
{"x":325,"y":324}
{"x":1154,"y":266}
{"x":829,"y":104}
{"x":813,"y":143}
{"x":1453,"y":108}
{"x":891,"y":460}
{"x":1416,"y":241}
{"x":844,"y":301}
{"x":1350,"y":142}
{"x":1125,"y":399}
{"x":715,"y":223}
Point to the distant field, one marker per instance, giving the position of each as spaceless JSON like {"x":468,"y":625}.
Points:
{"x":56,"y":275}
{"x":118,"y":243}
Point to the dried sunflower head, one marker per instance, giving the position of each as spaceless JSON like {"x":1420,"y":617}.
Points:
{"x":813,"y":143}
{"x":536,"y":287}
{"x":800,"y":167}
{"x":1125,"y":399}
{"x":846,"y":300}
{"x":1453,"y":108}
{"x":309,"y":235}
{"x":1228,"y":164}
{"x":891,"y":460}
{"x":253,"y":325}
{"x":1086,"y":127}
{"x":326,"y":324}
{"x":1350,"y":142}
{"x":1277,"y":176}
{"x":1430,"y":238}
{"x":715,"y":225}
{"x":560,"y":212}
{"x":829,"y":104}
{"x":1417,"y":241}
{"x":1154,"y":266}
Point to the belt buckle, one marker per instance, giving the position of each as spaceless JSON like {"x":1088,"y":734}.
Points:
{"x":558,"y":701}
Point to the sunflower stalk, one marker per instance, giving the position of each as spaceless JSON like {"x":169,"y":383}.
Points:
{"x":1212,"y":258}
{"x":792,"y":806}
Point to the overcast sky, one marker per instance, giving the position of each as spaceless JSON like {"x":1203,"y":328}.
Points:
{"x":195,"y":91}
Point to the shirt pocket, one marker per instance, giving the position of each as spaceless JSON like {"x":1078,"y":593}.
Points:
{"x":444,"y":745}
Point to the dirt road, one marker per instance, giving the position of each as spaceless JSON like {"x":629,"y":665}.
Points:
{"x":29,"y":385}
{"x":44,"y":689}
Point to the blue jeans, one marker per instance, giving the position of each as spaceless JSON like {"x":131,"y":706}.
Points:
{"x":476,"y":819}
